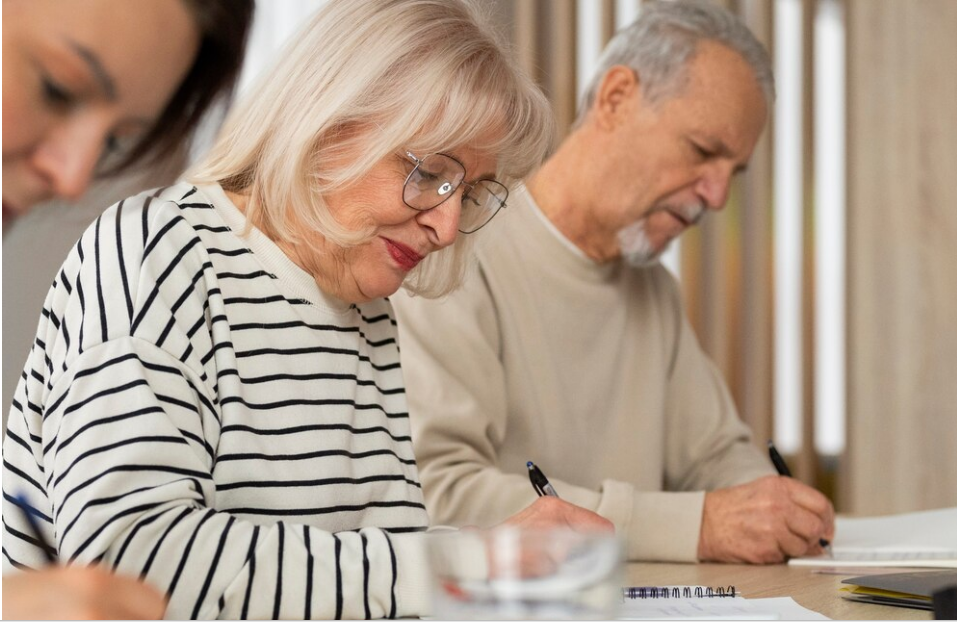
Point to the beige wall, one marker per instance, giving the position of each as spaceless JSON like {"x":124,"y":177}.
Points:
{"x":902,"y":255}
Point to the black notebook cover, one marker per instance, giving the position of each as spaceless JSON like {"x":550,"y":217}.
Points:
{"x":902,"y":589}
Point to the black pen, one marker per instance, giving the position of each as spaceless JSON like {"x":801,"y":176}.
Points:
{"x":782,"y":469}
{"x":28,"y":513}
{"x":539,"y":481}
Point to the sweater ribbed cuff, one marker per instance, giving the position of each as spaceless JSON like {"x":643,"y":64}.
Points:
{"x":665,"y":526}
{"x":656,"y":526}
{"x":412,"y":587}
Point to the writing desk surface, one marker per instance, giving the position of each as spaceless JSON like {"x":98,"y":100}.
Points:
{"x":818,"y":592}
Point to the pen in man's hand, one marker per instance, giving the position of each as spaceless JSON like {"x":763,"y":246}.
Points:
{"x":28,"y":513}
{"x":782,"y":469}
{"x":779,"y":464}
{"x":539,"y":481}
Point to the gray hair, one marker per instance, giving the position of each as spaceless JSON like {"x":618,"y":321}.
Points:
{"x":664,"y":38}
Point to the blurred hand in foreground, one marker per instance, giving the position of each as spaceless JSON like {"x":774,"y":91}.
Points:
{"x":79,"y":593}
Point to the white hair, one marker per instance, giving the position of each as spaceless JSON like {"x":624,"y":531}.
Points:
{"x":664,"y":38}
{"x":361,"y":81}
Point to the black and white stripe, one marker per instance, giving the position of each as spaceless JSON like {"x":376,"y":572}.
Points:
{"x":188,"y":414}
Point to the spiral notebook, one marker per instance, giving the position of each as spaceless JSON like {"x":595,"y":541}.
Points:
{"x":685,"y":602}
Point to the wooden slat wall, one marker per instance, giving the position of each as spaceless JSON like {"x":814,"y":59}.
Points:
{"x":805,"y":465}
{"x":526,"y":35}
{"x":560,"y":55}
{"x":752,"y":382}
{"x":902,"y":258}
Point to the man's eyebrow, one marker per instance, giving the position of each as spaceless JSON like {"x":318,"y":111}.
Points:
{"x":103,"y":77}
{"x":722,"y":148}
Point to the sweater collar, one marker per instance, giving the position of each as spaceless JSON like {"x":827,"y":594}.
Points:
{"x":294,"y":279}
{"x":538,"y":232}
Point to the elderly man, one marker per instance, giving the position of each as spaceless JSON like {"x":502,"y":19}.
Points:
{"x":569,"y":345}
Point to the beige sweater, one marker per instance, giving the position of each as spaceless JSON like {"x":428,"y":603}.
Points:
{"x":591,"y":371}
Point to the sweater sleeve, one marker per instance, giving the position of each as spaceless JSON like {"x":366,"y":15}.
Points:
{"x":708,"y":446}
{"x":460,"y":416}
{"x":131,"y":483}
{"x":115,"y":444}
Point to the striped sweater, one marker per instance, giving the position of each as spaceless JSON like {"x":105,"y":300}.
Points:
{"x":197,"y":412}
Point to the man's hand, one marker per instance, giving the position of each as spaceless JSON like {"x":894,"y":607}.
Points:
{"x":552,"y":513}
{"x":79,"y":593}
{"x":764,"y":522}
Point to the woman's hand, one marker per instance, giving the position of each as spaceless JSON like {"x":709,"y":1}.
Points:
{"x":79,"y":593}
{"x":552,"y":513}
{"x":537,"y":553}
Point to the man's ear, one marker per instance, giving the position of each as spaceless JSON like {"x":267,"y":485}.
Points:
{"x":618,"y":96}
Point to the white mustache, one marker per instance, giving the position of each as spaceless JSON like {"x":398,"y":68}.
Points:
{"x":690,"y":213}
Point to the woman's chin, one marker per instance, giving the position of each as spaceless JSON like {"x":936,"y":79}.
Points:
{"x":381,"y":287}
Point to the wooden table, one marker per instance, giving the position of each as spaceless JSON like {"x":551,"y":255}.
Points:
{"x":818,"y":592}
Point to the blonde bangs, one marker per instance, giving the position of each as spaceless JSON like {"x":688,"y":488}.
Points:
{"x":494,"y":109}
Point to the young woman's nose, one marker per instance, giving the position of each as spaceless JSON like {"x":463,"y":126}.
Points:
{"x":68,"y":155}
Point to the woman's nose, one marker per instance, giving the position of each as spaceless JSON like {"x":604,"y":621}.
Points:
{"x":68,"y":156}
{"x":442,"y":222}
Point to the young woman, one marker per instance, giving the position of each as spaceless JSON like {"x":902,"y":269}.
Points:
{"x":99,"y":88}
{"x":96,"y":90}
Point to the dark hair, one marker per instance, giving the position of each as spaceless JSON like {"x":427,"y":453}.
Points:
{"x":224,"y":28}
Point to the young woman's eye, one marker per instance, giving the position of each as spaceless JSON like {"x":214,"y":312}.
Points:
{"x":112,"y":144}
{"x":55,"y":94}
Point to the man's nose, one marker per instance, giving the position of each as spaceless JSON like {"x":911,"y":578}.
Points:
{"x":68,"y":156}
{"x":715,"y":186}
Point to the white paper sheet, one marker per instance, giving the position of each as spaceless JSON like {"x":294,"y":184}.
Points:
{"x":916,"y":539}
{"x":716,"y":609}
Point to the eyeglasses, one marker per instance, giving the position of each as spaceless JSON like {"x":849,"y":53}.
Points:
{"x":437,"y":176}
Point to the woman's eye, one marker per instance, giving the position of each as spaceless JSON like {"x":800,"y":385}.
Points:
{"x":55,"y":94}
{"x":112,"y":144}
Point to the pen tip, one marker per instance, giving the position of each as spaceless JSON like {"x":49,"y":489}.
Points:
{"x":529,"y":464}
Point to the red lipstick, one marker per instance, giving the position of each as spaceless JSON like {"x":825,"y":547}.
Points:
{"x":405,"y":257}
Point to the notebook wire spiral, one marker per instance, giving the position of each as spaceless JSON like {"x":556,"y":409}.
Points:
{"x":686,"y":591}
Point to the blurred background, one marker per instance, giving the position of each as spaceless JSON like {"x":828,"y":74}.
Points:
{"x":826,"y":291}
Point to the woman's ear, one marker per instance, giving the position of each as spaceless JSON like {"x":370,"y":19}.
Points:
{"x":618,"y":95}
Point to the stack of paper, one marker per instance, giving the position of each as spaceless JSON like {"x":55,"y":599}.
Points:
{"x":918,"y":539}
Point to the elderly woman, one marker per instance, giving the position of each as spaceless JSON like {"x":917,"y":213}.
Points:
{"x":214,"y":399}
